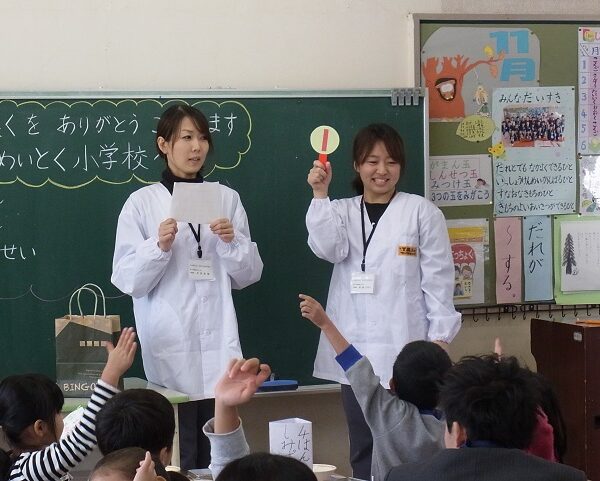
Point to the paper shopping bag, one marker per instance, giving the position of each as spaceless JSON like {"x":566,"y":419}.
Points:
{"x":81,"y":344}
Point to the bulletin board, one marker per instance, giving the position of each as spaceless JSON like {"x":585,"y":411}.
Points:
{"x":523,"y":84}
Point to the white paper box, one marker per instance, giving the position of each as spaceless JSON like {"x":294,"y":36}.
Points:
{"x":292,"y":437}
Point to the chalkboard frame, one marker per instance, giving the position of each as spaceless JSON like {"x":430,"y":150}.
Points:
{"x":422,"y":130}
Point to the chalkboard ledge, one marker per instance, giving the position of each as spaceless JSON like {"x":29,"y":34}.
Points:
{"x":303,"y":390}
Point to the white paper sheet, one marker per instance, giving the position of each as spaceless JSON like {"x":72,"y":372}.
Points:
{"x":196,"y":203}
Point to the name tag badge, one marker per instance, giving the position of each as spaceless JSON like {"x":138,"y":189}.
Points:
{"x":407,"y":251}
{"x":362,"y":283}
{"x":201,"y":270}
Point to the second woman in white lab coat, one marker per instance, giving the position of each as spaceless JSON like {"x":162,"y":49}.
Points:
{"x":393,"y":274}
{"x":186,"y":325}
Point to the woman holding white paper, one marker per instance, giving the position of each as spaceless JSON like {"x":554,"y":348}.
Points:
{"x":180,"y":277}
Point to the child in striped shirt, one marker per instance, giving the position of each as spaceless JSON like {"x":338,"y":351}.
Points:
{"x":31,"y":423}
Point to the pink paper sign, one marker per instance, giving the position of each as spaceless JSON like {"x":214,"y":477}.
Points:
{"x":507,"y":232}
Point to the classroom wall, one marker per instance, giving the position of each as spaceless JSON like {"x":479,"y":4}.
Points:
{"x":102,"y":45}
{"x":196,"y":44}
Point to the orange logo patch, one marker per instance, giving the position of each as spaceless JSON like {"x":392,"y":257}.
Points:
{"x":407,"y":251}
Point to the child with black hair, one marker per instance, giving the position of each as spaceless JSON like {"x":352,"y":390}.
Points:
{"x":549,"y":439}
{"x":32,"y":425}
{"x":139,"y":418}
{"x":491,"y":406}
{"x":405,"y":424}
{"x":266,"y":467}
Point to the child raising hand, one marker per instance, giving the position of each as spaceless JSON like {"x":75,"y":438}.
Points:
{"x":31,"y":422}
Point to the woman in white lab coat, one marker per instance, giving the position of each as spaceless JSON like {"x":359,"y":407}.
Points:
{"x":393,"y":274}
{"x":186,"y":325}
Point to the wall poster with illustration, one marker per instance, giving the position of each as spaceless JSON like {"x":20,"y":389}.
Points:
{"x":522,"y":93}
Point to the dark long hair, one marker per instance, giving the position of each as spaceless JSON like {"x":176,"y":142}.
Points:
{"x":170,"y":123}
{"x":24,"y":399}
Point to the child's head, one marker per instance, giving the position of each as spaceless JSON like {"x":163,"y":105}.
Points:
{"x":266,"y":467}
{"x":30,"y":401}
{"x":170,"y":123}
{"x":30,"y":417}
{"x":121,"y":465}
{"x":137,"y":417}
{"x":551,"y":408}
{"x":419,"y":372}
{"x":489,"y":399}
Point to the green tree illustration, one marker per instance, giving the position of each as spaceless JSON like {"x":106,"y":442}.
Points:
{"x":569,"y":254}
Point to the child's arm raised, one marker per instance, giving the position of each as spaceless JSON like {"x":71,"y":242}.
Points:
{"x":313,"y":311}
{"x":237,"y":386}
{"x":54,"y":461}
{"x":120,"y":357}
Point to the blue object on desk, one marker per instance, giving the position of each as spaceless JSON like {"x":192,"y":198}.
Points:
{"x":279,"y":385}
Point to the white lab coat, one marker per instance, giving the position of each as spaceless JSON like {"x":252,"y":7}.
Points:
{"x":413,"y":293}
{"x":187,"y":328}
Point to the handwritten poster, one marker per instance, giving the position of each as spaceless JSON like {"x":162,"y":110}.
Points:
{"x":537,"y":257}
{"x":292,"y":437}
{"x":535,"y":172}
{"x":469,"y":239}
{"x":462,"y":66}
{"x":580,"y":259}
{"x":589,"y":185}
{"x":460,"y":180}
{"x":588,"y":141}
{"x":509,"y":263}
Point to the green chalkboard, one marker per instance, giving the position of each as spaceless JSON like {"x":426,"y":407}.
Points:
{"x":67,"y":166}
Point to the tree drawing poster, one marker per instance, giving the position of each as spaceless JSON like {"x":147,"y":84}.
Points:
{"x":462,"y":66}
{"x":535,"y":170}
{"x":580,"y":256}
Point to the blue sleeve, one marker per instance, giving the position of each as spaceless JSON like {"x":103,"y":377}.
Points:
{"x":346,"y":359}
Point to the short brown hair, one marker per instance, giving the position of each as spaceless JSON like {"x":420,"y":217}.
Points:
{"x":365,"y":141}
{"x":170,"y":123}
{"x":124,"y":461}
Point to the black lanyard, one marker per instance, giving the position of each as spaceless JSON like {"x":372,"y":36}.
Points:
{"x":197,"y":237}
{"x":366,"y":241}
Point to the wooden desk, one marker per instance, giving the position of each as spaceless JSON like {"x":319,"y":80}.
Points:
{"x":320,"y":404}
{"x":174,"y":398}
{"x":568,"y":355}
